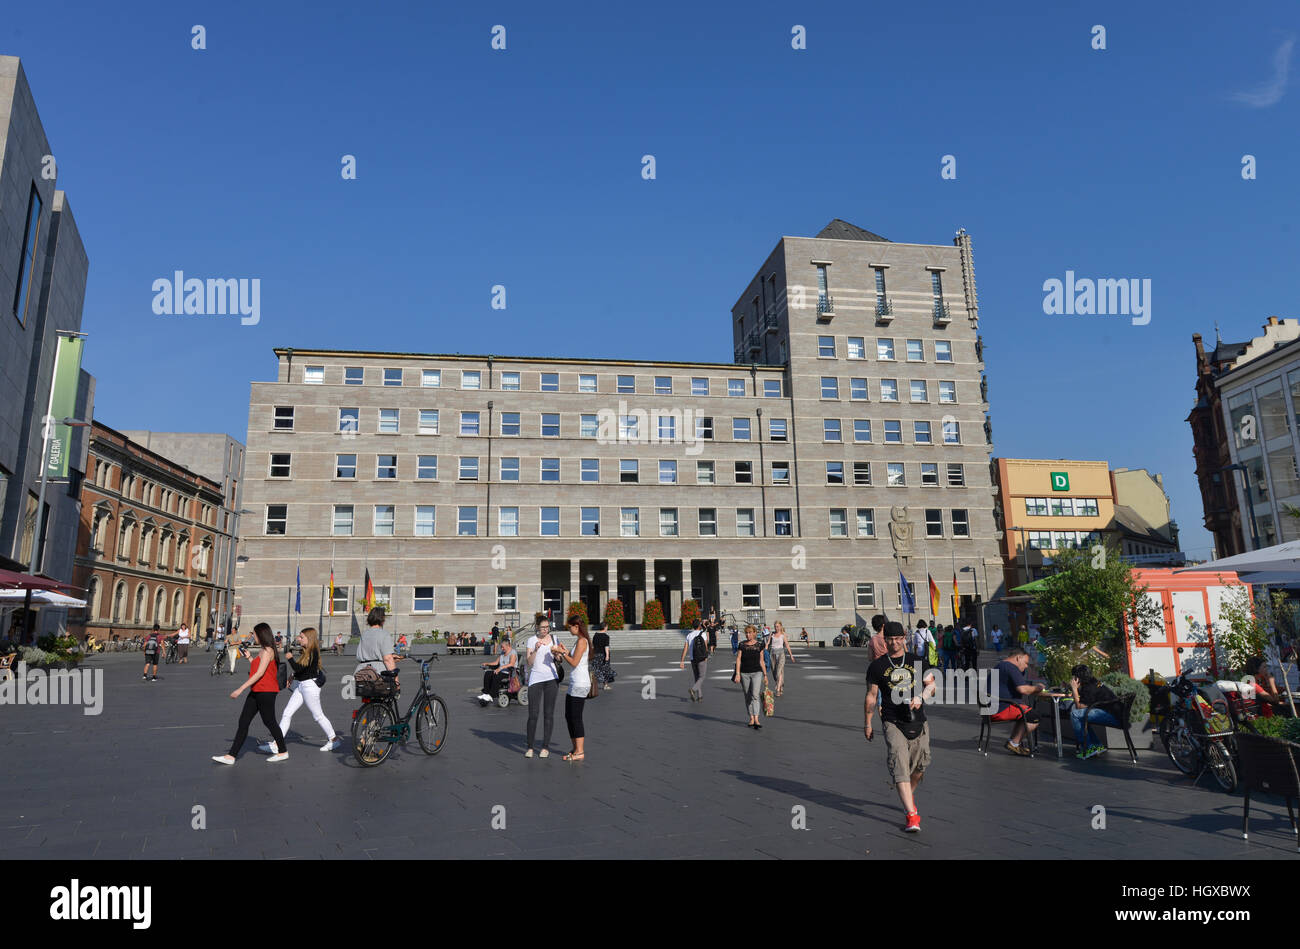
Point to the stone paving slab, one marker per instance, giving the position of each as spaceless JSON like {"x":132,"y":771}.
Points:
{"x":664,"y":778}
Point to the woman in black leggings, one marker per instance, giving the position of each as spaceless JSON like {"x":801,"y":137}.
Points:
{"x":263,"y":687}
{"x":579,"y":686}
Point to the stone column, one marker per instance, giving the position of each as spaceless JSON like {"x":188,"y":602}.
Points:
{"x":575,"y":583}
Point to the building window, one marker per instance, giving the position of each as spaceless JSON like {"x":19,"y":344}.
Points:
{"x":780,"y":472}
{"x":915,"y":351}
{"x":831,"y":430}
{"x":745,"y":522}
{"x":469,"y":423}
{"x":888,"y":390}
{"x":465,"y":602}
{"x":920,"y":392}
{"x":834,"y":472}
{"x":933,"y":522}
{"x":508,"y":521}
{"x":942,"y":350}
{"x":744,"y":472}
{"x":663,"y":385}
{"x":468,"y":468}
{"x":740,"y":429}
{"x":667,"y":428}
{"x":629,"y":519}
{"x":550,"y":425}
{"x":885,"y":350}
{"x":426,"y":468}
{"x":467,"y":521}
{"x":284,"y":418}
{"x":313,"y":375}
{"x":1036,"y":507}
{"x":280,"y":466}
{"x":736,"y":388}
{"x":894,"y":474}
{"x":782,"y":520}
{"x":830,"y":387}
{"x":628,"y":471}
{"x":857,"y":347}
{"x":507,"y":599}
{"x":921,"y":434}
{"x":826,"y":347}
{"x":861,"y":430}
{"x":392,"y":377}
{"x":385,"y":466}
{"x":422,"y":600}
{"x":704,"y":428}
{"x":858,"y":390}
{"x":823,"y":596}
{"x":431,"y":378}
{"x":586,"y":382}
{"x":708,"y":522}
{"x":839,"y":522}
{"x":341,"y":603}
{"x":470,"y":380}
{"x":1062,"y":507}
{"x":388,"y":419}
{"x":893,"y":432}
{"x":1039,"y":540}
{"x":929,"y":474}
{"x":947,"y":392}
{"x":510,"y":381}
{"x":667,"y":472}
{"x":956,"y":476}
{"x":862,"y":473}
{"x":626,"y":383}
{"x":952,"y":433}
{"x":550,"y":522}
{"x":750,"y":596}
{"x":771,"y":388}
{"x":591,"y":469}
{"x":704,"y":472}
{"x":866,"y":518}
{"x":936,"y":285}
{"x":668,"y":522}
{"x":960,"y":523}
{"x":699,"y":385}
{"x":786,"y":597}
{"x":345,"y":466}
{"x":349,"y":420}
{"x":550,"y":382}
{"x":629,"y":428}
{"x":589,"y":426}
{"x":1087,"y":507}
{"x":425,"y":520}
{"x":590,"y":522}
{"x":343,"y":520}
{"x":550,"y":470}
{"x":509,"y":469}
{"x":277,"y":518}
{"x":866,"y":592}
{"x":428,"y":422}
{"x":383,"y":520}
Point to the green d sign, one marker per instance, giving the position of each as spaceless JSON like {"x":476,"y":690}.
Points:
{"x":1060,"y":481}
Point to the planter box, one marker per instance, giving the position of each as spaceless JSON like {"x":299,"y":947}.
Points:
{"x":1140,"y":731}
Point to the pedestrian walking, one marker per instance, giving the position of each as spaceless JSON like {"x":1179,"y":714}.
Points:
{"x":891,"y":684}
{"x":579,"y":685}
{"x":696,"y":648}
{"x":948,"y":649}
{"x":876,"y":644}
{"x":751,"y":673}
{"x":735,"y":640}
{"x":601,"y":667}
{"x":207,"y":640}
{"x":780,"y":650}
{"x":923,"y":643}
{"x":996,"y":636}
{"x":153,"y":646}
{"x":713,"y":625}
{"x":972,"y":647}
{"x":308,"y":677}
{"x":262,"y":690}
{"x":543,"y":684}
{"x":183,"y":643}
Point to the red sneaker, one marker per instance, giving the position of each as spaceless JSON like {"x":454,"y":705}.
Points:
{"x":913,"y":823}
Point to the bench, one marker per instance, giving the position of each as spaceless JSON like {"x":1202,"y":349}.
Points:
{"x":820,"y":643}
{"x":464,"y":650}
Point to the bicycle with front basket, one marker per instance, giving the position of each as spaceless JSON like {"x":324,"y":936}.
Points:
{"x":377,"y":726}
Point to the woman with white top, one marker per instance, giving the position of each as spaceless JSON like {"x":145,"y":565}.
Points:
{"x":579,"y":686}
{"x":780,"y":649}
{"x":307,"y":672}
{"x":543,"y":684}
{"x":183,"y":643}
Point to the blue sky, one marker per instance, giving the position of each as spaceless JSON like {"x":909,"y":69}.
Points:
{"x":479,"y":167}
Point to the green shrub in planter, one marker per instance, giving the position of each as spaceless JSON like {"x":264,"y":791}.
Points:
{"x":1288,"y":729}
{"x":1122,"y":685}
{"x":1060,"y":659}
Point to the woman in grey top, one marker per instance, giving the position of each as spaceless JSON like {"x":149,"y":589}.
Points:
{"x":376,"y":647}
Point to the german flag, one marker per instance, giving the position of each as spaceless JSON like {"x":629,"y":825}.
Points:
{"x":956,"y":599}
{"x":934,"y":596}
{"x":368,"y":600}
{"x":331,"y":592}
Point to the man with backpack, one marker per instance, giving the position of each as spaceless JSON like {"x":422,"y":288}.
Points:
{"x":948,"y":649}
{"x":152,"y":647}
{"x":697,"y":647}
{"x":923,"y":643}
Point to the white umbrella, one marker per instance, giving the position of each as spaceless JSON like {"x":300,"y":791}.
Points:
{"x":1278,"y":564}
{"x":41,"y":598}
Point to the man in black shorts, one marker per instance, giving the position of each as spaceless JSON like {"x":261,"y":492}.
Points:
{"x":153,"y":645}
{"x":891,"y":683}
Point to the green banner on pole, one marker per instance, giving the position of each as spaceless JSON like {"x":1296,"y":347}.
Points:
{"x":63,"y":403}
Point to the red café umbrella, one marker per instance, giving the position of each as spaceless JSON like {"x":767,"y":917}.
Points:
{"x":9,"y":580}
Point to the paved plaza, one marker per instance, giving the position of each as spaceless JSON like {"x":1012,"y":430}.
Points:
{"x":664,"y":778}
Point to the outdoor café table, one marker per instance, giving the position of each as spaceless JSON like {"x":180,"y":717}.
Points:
{"x":1056,"y":713}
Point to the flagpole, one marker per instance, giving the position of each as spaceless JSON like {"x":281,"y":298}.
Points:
{"x":929,"y":598}
{"x":330,"y":631}
{"x":956,"y":617}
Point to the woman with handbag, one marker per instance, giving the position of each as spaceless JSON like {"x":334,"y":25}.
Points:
{"x":580,"y":685}
{"x":308,"y":677}
{"x":751,"y":672}
{"x":261,"y":698}
{"x":543,"y":684}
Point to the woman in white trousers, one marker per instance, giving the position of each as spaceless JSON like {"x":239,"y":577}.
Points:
{"x":305,"y":688}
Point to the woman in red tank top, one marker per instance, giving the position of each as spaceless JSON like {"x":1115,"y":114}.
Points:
{"x":263,"y":686}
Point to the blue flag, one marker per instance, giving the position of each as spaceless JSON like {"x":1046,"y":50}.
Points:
{"x":905,"y":595}
{"x":297,"y":600}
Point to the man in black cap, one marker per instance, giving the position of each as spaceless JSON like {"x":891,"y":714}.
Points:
{"x":891,"y":682}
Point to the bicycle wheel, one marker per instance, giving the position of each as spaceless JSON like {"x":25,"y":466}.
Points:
{"x":1181,"y":747}
{"x":1221,"y":766}
{"x":431,"y":725}
{"x":369,"y":748}
{"x":216,"y":667}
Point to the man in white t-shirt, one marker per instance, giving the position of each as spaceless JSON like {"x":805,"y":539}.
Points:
{"x":921,"y":639}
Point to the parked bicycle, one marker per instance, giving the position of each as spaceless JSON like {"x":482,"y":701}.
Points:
{"x":377,"y":726}
{"x":172,"y":653}
{"x":1195,"y":727}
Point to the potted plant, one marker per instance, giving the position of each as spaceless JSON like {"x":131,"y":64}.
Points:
{"x":577,"y":608}
{"x":689,"y":614}
{"x":653,"y":617}
{"x":614,"y":614}
{"x":1139,"y":720}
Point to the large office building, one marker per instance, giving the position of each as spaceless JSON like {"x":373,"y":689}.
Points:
{"x":43,"y":268}
{"x":848,"y":440}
